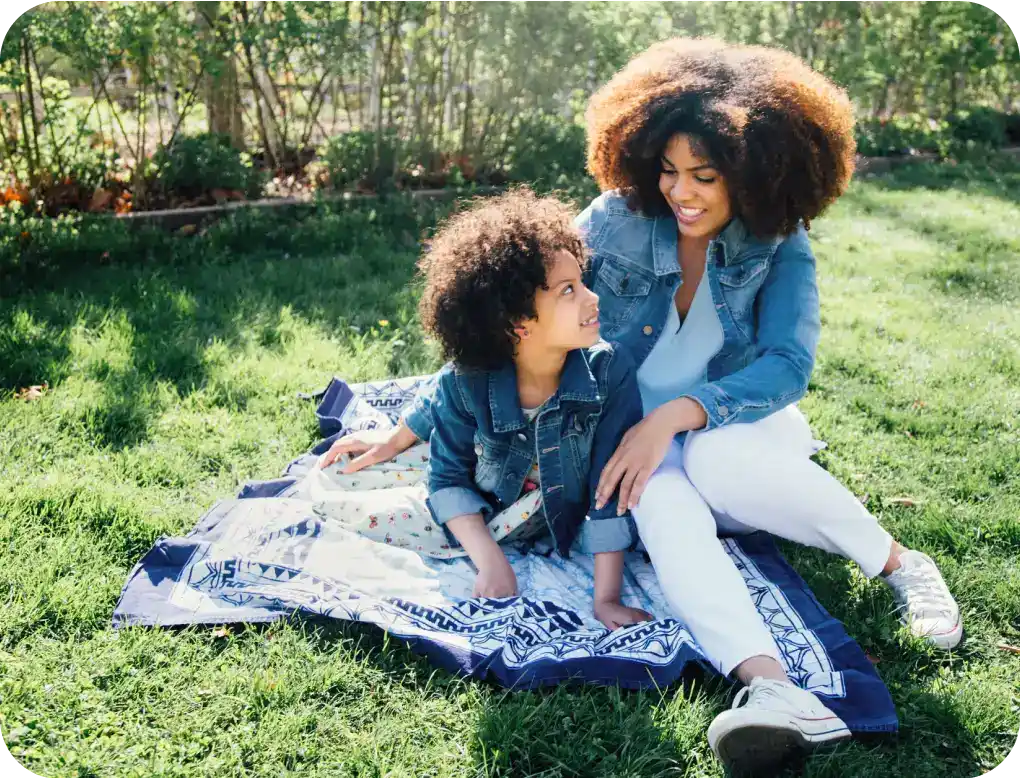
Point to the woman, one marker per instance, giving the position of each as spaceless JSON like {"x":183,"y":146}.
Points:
{"x":713,"y":160}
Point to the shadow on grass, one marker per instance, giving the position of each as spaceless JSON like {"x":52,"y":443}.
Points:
{"x":996,"y":176}
{"x":166,"y":319}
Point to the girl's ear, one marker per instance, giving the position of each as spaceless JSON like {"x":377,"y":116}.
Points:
{"x":521,"y":331}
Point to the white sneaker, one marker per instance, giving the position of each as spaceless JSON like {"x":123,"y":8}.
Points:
{"x":777,"y":721}
{"x":924,"y":601}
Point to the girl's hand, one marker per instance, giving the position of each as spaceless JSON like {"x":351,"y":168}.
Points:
{"x":369,"y":447}
{"x":642,"y":450}
{"x":495,"y":579}
{"x":615,"y":614}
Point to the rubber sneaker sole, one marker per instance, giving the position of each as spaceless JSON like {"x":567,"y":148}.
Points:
{"x":758,"y":742}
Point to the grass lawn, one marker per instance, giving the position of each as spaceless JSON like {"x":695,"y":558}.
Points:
{"x":171,"y":382}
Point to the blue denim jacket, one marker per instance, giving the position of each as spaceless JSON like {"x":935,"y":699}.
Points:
{"x":764,"y":291}
{"x":481,"y":447}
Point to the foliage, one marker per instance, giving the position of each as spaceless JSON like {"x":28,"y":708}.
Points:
{"x":437,"y":92}
{"x":546,"y":149}
{"x":195,"y":165}
{"x":984,"y":126}
{"x":901,"y":135}
{"x":364,"y":160}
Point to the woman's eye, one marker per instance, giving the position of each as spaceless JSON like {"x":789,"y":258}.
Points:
{"x":568,"y":288}
{"x":666,"y":172}
{"x":701,"y":180}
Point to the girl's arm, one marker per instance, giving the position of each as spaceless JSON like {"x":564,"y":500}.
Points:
{"x":454,"y":499}
{"x":608,"y":581}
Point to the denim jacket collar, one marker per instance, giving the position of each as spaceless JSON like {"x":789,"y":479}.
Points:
{"x":731,"y":244}
{"x":576,"y":383}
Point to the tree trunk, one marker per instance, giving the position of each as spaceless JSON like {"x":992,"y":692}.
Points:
{"x":222,"y":100}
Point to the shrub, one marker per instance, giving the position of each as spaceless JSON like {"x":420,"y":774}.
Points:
{"x":547,"y":150}
{"x":195,"y":165}
{"x":984,"y":126}
{"x":900,"y":135}
{"x":1013,"y":128}
{"x":353,"y":159}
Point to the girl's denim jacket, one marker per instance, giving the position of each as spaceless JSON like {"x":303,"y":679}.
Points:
{"x":764,"y":291}
{"x":481,"y":447}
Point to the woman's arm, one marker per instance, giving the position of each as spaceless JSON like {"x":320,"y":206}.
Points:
{"x":788,"y":329}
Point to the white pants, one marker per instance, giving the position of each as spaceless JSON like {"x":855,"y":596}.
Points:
{"x":741,"y":478}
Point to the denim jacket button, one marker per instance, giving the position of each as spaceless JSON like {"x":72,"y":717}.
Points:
{"x":647,"y":329}
{"x":522,"y":437}
{"x":478,"y":450}
{"x":724,"y":411}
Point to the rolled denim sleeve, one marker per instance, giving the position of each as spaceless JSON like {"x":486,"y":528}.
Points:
{"x":789,"y":326}
{"x":418,"y":414}
{"x":602,"y":529}
{"x":452,"y":460}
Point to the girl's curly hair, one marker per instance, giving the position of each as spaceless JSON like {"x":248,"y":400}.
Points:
{"x":779,"y":132}
{"x":483,"y":268}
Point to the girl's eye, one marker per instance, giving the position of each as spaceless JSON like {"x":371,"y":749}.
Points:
{"x":568,"y":288}
{"x":668,"y":172}
{"x":704,"y":180}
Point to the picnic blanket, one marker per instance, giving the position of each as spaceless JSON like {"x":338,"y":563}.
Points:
{"x":264,"y":555}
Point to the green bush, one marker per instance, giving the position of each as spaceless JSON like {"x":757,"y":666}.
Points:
{"x":983,"y":126}
{"x":352,"y":159}
{"x":547,"y":150}
{"x":1013,"y":128}
{"x":193,"y":165}
{"x":901,"y":135}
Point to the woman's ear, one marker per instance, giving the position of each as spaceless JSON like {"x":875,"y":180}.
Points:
{"x":521,"y":331}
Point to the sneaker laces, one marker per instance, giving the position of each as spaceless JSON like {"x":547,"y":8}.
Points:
{"x":920,"y":590}
{"x":763,"y":693}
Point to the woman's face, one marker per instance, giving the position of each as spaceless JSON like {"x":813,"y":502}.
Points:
{"x":694,"y":190}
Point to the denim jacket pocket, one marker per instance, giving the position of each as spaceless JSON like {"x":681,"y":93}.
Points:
{"x":620,"y":290}
{"x":490,"y":456}
{"x":578,"y":436}
{"x":740,"y":284}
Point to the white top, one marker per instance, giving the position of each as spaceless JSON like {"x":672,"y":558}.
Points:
{"x":678,"y":362}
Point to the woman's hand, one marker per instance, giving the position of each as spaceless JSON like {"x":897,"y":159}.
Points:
{"x":369,"y":447}
{"x":642,"y":450}
{"x":615,"y":614}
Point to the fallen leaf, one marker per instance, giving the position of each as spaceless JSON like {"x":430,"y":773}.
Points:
{"x":1008,"y":647}
{"x":221,"y":632}
{"x":100,"y":200}
{"x":187,"y":229}
{"x":873,"y":659}
{"x":910,"y":502}
{"x":30,"y":393}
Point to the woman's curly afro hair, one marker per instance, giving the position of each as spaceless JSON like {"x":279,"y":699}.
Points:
{"x":780,"y":133}
{"x":482,"y":271}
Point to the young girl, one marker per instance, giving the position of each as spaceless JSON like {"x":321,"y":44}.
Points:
{"x":524,"y":416}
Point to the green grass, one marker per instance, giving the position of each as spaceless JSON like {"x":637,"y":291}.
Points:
{"x":173,"y":379}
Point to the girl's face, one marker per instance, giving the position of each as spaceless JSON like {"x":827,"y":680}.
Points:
{"x":694,"y":190}
{"x":567,"y":311}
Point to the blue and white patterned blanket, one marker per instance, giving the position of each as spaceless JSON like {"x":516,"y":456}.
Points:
{"x":264,"y":555}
